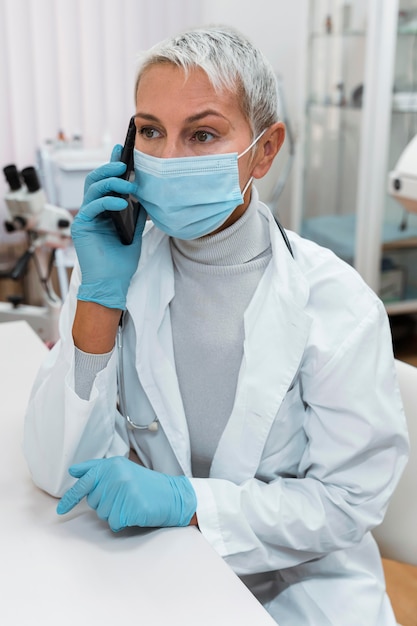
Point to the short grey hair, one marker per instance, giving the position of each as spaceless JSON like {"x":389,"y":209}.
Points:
{"x":230,"y":61}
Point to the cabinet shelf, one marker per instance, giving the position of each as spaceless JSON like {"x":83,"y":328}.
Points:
{"x":341,"y":35}
{"x":337,"y":232}
{"x":314,"y":104}
{"x":345,"y":34}
{"x":339,"y":107}
{"x":350,"y":100}
{"x":402,"y":307}
{"x":356,"y":33}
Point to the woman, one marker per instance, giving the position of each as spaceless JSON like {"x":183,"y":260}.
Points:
{"x":257,"y":384}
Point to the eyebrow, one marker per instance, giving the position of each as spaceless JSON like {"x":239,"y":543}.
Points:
{"x":188,"y":120}
{"x":206,"y":113}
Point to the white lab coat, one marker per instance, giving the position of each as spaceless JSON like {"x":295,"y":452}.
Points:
{"x":313,"y":449}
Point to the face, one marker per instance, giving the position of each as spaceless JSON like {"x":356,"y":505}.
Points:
{"x":179,"y":116}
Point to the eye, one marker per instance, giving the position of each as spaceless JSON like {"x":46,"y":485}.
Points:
{"x":202,"y":136}
{"x":148,"y":132}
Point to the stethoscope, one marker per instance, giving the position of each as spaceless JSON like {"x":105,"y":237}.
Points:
{"x":153,"y":426}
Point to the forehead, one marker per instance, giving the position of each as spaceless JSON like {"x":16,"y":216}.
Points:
{"x":167,"y":86}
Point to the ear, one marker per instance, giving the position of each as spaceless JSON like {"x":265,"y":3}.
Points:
{"x":269,"y":146}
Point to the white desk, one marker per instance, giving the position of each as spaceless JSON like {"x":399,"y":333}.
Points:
{"x":73,"y":570}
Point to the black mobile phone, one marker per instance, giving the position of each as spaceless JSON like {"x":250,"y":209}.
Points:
{"x":125,"y":220}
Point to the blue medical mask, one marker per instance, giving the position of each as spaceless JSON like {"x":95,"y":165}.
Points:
{"x":189,"y":197}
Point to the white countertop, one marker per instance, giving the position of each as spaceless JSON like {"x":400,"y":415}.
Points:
{"x":73,"y":570}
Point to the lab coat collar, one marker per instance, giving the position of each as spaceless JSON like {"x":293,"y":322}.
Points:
{"x":276,"y":330}
{"x":151,"y":291}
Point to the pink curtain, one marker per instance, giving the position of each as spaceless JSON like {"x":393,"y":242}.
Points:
{"x":69,"y":65}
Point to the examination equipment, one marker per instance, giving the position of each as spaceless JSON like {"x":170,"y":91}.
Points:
{"x":29,"y":211}
{"x":402,"y":180}
{"x":47,"y":229}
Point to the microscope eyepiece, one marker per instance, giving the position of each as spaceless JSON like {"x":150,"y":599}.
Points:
{"x":31,"y":179}
{"x":12,"y":176}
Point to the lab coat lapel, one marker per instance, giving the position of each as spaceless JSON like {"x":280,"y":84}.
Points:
{"x":276,"y":330}
{"x":153,"y":286}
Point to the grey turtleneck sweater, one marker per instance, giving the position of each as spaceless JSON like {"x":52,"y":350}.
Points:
{"x":215,"y":279}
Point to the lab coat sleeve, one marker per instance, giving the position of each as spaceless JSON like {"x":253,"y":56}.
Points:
{"x":60,"y":427}
{"x":356,"y":449}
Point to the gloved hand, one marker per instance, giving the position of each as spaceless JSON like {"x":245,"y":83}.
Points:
{"x":107,"y":265}
{"x":126,"y":494}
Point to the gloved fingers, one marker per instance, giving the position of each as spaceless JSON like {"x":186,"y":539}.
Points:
{"x":115,"y":523}
{"x":116,"y":516}
{"x":108,"y":170}
{"x":107,"y":186}
{"x":116,"y":153}
{"x":96,"y":207}
{"x":77,"y":492}
{"x":101,"y":505}
{"x":109,"y":504}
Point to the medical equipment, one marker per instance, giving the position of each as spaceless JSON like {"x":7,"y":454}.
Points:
{"x":30,"y":211}
{"x":152,"y":426}
{"x":47,"y":228}
{"x":402,"y":180}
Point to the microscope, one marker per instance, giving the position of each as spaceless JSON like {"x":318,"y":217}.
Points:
{"x":47,"y":229}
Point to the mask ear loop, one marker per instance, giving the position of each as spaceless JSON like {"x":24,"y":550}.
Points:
{"x":252,"y":144}
{"x":248,"y":184}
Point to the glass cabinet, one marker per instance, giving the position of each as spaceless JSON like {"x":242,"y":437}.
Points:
{"x":361,"y":112}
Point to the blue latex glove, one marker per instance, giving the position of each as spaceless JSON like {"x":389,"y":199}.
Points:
{"x":127,"y":494}
{"x":107,"y":265}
